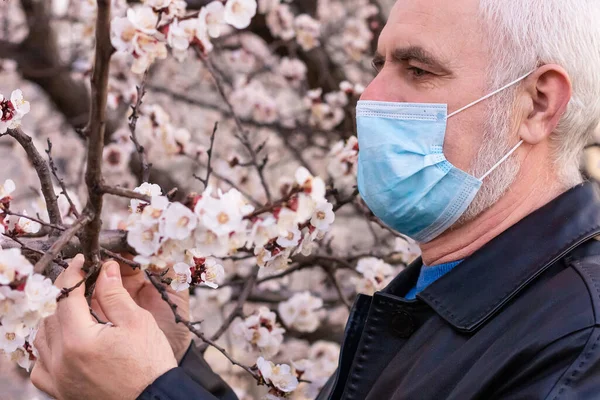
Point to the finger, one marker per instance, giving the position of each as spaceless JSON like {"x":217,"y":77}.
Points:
{"x":98,"y":309}
{"x":116,"y":303}
{"x":41,"y":343}
{"x":72,"y":311}
{"x":41,"y":379}
{"x":48,"y":335}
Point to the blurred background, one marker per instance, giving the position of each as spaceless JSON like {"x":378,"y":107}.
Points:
{"x":299,"y":110}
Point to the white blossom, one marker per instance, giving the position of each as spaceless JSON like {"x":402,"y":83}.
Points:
{"x":213,"y":15}
{"x":145,"y":239}
{"x":263,"y":230}
{"x":13,"y":265}
{"x":299,"y":312}
{"x":12,"y":111}
{"x":239,"y":13}
{"x":280,"y":375}
{"x":260,"y":332}
{"x":225,"y":214}
{"x":213,"y":274}
{"x":376,"y":274}
{"x":7,"y":188}
{"x":41,"y":295}
{"x":183,"y":277}
{"x":323,"y":216}
{"x":178,"y":221}
{"x":10,"y":341}
{"x":289,"y":238}
{"x":148,"y":189}
{"x":21,"y":357}
{"x":308,"y":31}
{"x":281,"y":22}
{"x":157,"y":4}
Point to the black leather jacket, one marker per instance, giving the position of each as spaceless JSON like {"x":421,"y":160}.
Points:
{"x":519,"y":319}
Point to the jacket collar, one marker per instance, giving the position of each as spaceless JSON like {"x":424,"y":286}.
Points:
{"x":476,"y":289}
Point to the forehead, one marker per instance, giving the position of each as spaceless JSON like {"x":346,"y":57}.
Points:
{"x":449,"y":28}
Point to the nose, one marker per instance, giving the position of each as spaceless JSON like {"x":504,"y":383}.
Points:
{"x":382,"y":88}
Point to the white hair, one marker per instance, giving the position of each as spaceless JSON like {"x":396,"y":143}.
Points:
{"x":525,"y":34}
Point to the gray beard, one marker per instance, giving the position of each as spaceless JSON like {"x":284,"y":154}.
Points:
{"x":498,"y":140}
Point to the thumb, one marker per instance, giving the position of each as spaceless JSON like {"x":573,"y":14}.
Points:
{"x":115,"y":301}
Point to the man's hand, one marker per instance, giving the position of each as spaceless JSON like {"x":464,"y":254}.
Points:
{"x":82,"y":359}
{"x":147,"y":297}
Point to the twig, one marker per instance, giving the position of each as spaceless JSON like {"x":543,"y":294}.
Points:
{"x":66,"y":291}
{"x":227,"y":181}
{"x":120,"y":258}
{"x":122,"y":192}
{"x":210,"y":153}
{"x":61,"y":182}
{"x":135,"y":110}
{"x":331,"y":274}
{"x":239,"y":307}
{"x":43,"y":173}
{"x":62,"y":241}
{"x":39,"y":221}
{"x":243,"y":134}
{"x":178,"y":319}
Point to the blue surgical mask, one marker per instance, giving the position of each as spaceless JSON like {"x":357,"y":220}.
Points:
{"x":403,"y":175}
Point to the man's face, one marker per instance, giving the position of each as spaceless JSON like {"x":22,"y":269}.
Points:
{"x":434,"y":51}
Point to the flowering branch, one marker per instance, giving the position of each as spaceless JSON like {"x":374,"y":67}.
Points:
{"x":43,"y":172}
{"x":242,"y":134}
{"x":123,"y":192}
{"x":239,"y":307}
{"x":61,"y":182}
{"x":210,"y":154}
{"x":135,"y":109}
{"x":95,"y":145}
{"x":165,"y":296}
{"x":63,"y":240}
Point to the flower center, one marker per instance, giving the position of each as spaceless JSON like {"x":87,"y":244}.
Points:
{"x":223,"y":218}
{"x":183,"y":221}
{"x":10,"y":336}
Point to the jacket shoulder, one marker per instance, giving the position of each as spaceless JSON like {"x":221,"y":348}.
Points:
{"x":586,"y":261}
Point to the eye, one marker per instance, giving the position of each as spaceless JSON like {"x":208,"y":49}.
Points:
{"x":418,"y":72}
{"x":377,"y":65}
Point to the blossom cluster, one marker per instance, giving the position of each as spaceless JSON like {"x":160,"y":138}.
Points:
{"x":25,"y":298}
{"x":147,"y":31}
{"x":301,"y":312}
{"x":12,"y":110}
{"x":343,"y":163}
{"x":280,"y":378}
{"x":375,"y":275}
{"x":259,"y":333}
{"x":327,"y":111}
{"x":158,"y":135}
{"x":165,"y":233}
{"x":318,"y":367}
{"x":284,"y":25}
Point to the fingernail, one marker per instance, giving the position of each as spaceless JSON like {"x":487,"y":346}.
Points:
{"x":112,"y":271}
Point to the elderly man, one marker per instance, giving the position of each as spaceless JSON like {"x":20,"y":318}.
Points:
{"x":470,"y":139}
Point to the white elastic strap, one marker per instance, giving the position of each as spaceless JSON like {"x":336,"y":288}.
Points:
{"x":489,"y":95}
{"x":502,"y":160}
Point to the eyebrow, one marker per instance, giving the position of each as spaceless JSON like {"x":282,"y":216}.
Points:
{"x":413,"y":53}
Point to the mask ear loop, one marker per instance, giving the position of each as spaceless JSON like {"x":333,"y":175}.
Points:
{"x":489,"y":95}
{"x":502,"y":160}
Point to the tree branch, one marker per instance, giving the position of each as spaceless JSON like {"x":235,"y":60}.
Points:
{"x":43,"y":172}
{"x":63,"y":240}
{"x":95,"y":145}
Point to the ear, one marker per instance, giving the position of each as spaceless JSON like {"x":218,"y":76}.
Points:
{"x":548,"y":91}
